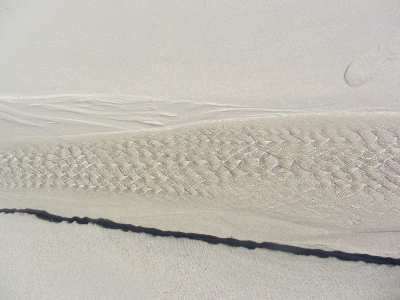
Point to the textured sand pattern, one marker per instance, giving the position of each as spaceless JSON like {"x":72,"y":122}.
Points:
{"x":56,"y":115}
{"x":292,"y":157}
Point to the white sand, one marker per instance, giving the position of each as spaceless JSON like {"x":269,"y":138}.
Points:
{"x":301,"y":180}
{"x":262,"y":53}
{"x":108,"y":264}
{"x":309,"y":157}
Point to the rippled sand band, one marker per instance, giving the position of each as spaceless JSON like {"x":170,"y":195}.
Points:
{"x":338,"y":156}
{"x":304,"y":180}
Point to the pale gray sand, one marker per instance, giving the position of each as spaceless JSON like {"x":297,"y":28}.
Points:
{"x":329,"y":181}
{"x":59,"y":115}
{"x":40,"y":260}
{"x":367,"y":66}
{"x":77,"y":114}
{"x":83,"y":67}
{"x":261,"y":53}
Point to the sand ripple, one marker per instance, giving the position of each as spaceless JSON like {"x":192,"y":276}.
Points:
{"x":339,"y":156}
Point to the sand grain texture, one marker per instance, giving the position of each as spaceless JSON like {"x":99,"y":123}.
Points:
{"x":161,"y":268}
{"x":245,"y":123}
{"x":330,"y":173}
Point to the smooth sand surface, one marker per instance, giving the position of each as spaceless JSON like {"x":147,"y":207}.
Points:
{"x":72,"y":261}
{"x":269,"y":54}
{"x":260,"y":122}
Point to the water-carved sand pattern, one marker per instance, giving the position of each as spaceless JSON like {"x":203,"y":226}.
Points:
{"x":56,"y":115}
{"x":332,"y":156}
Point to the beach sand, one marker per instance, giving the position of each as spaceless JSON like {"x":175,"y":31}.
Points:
{"x":200,"y":150}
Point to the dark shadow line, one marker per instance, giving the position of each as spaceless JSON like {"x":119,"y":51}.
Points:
{"x":345,"y":256}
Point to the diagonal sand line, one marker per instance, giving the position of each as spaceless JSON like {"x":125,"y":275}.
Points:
{"x":354,"y":257}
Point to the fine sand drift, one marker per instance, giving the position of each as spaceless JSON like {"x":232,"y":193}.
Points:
{"x":310,"y":175}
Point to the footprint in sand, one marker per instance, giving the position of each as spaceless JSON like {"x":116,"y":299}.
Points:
{"x":367,"y":66}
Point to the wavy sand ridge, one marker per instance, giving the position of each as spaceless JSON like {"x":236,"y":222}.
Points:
{"x":296,"y":157}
